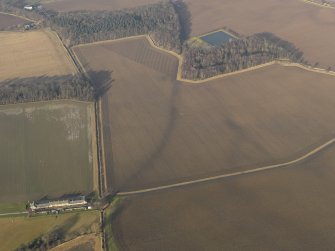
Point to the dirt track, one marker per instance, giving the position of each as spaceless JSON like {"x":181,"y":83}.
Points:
{"x":160,"y":131}
{"x":260,"y":169}
{"x":8,"y":20}
{"x":285,"y":209}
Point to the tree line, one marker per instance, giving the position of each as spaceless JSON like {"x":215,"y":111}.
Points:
{"x":200,"y":62}
{"x":159,"y":20}
{"x":45,"y":88}
{"x":168,"y":23}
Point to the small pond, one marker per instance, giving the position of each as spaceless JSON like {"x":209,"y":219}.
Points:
{"x":217,"y":38}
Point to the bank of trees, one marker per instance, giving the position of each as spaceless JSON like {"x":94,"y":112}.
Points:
{"x":159,"y":20}
{"x":202,"y":62}
{"x":45,"y":88}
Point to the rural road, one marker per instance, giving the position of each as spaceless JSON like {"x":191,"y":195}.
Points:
{"x":255,"y":170}
{"x":14,"y":213}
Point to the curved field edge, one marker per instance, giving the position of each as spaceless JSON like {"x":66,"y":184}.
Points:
{"x":230,"y":118}
{"x":180,"y":61}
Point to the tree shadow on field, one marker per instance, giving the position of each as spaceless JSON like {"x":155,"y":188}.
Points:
{"x":101,"y":82}
{"x":184,"y":17}
{"x":148,"y":163}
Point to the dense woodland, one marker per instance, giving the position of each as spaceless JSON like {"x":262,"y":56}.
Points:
{"x":45,"y":88}
{"x":202,"y":62}
{"x":168,"y":24}
{"x":159,"y":20}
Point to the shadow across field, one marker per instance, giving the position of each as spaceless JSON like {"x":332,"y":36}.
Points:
{"x":101,"y":82}
{"x":149,"y":163}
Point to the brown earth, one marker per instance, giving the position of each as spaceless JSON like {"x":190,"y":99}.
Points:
{"x":309,"y":27}
{"x":283,"y":209}
{"x":160,"y":131}
{"x":7,"y":21}
{"x":73,"y":5}
{"x":33,"y":54}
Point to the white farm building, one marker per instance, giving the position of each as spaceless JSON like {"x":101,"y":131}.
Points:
{"x":78,"y":202}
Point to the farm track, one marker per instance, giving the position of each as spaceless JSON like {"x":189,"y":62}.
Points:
{"x":180,"y":62}
{"x":255,"y":170}
{"x":13,"y":213}
{"x":22,"y":17}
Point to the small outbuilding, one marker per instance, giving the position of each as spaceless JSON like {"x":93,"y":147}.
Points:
{"x":28,"y":7}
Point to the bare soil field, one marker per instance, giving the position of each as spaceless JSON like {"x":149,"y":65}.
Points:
{"x":33,"y":54}
{"x":309,"y":27}
{"x":46,"y":150}
{"x":15,"y":231}
{"x":160,"y":131}
{"x":73,"y":5}
{"x":7,"y":21}
{"x":284,"y":209}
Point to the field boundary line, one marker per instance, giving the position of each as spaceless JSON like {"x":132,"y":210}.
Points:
{"x":201,"y":81}
{"x":99,"y":125}
{"x":74,"y":239}
{"x":13,"y":213}
{"x":22,"y":17}
{"x":49,"y":101}
{"x":255,"y":170}
{"x":66,"y":52}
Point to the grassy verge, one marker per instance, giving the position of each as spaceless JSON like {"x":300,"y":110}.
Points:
{"x":12,"y":207}
{"x":21,"y":230}
{"x":111,"y":244}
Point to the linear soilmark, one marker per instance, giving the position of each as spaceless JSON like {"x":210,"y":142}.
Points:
{"x":259,"y":169}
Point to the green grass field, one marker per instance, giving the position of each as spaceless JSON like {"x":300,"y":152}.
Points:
{"x":45,"y":150}
{"x":16,"y":231}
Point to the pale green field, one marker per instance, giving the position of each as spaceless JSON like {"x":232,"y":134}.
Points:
{"x":15,"y":231}
{"x":45,"y":150}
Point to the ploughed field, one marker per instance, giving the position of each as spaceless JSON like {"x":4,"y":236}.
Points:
{"x":73,"y":5}
{"x":46,"y":150}
{"x":33,"y":54}
{"x":309,"y":27}
{"x":160,"y":131}
{"x":283,"y":209}
{"x":8,"y":21}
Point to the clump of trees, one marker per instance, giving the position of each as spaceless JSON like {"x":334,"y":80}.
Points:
{"x":159,"y":20}
{"x":202,"y":62}
{"x":45,"y":88}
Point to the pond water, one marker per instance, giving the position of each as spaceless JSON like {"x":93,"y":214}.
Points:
{"x":217,"y":38}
